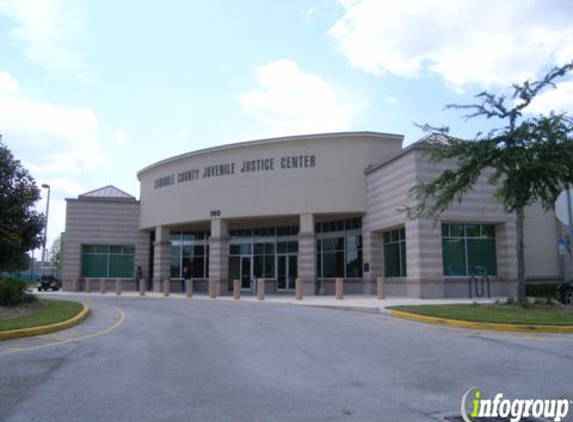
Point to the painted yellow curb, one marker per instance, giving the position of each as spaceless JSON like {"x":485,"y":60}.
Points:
{"x":44,"y":329}
{"x":490,"y":326}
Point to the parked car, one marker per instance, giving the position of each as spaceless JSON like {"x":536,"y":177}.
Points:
{"x":565,"y":293}
{"x":49,"y":282}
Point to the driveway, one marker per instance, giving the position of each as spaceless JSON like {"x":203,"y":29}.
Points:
{"x":155,"y":359}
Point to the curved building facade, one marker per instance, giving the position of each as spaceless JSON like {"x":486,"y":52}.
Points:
{"x":314,"y":207}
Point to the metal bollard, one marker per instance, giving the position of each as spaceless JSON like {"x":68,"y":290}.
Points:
{"x":102,"y":286}
{"x":189,"y":287}
{"x":339,"y":287}
{"x":212,"y":289}
{"x":142,"y":286}
{"x":166,"y":287}
{"x":236,"y":289}
{"x":298,"y":289}
{"x":261,"y":289}
{"x":381,"y":288}
{"x":118,"y":286}
{"x":75,"y":285}
{"x":88,"y":285}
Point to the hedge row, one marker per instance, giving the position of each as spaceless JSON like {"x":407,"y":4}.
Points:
{"x":14,"y":292}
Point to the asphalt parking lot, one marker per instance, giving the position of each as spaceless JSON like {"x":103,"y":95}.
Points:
{"x":153,"y":359}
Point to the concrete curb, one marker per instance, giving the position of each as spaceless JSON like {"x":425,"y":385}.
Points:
{"x":489,"y":326}
{"x":44,"y":329}
{"x":364,"y":309}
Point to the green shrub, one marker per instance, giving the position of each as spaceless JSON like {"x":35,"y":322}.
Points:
{"x":540,"y":289}
{"x":14,"y":292}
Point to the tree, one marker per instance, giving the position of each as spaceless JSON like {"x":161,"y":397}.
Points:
{"x":56,"y":253}
{"x":530,"y":158}
{"x":20,"y":225}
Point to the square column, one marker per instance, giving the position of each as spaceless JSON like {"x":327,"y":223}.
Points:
{"x":307,"y":254}
{"x":506,"y":241}
{"x":372,"y":257}
{"x":161,"y":257}
{"x":424,"y":261}
{"x":219,"y":255}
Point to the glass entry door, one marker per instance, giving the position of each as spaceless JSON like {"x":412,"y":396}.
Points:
{"x":240,"y":268}
{"x":287,"y":272}
{"x":246,"y":273}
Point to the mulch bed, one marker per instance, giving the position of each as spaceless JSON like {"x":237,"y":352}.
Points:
{"x":556,"y":306}
{"x":8,"y":312}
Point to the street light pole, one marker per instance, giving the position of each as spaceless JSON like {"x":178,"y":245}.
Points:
{"x":45,"y":186}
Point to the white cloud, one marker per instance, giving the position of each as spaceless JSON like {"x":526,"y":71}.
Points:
{"x":390,"y":100}
{"x":8,"y":83}
{"x":121,"y":137}
{"x":49,"y":32}
{"x":310,"y":13}
{"x":49,"y":137}
{"x":291,"y":101}
{"x":558,"y":100}
{"x":486,"y":42}
{"x":63,"y":187}
{"x":183,"y":133}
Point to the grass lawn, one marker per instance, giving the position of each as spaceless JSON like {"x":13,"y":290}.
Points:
{"x":54,"y":311}
{"x":507,"y":314}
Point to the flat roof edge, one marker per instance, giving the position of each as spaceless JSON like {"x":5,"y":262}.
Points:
{"x":104,"y":199}
{"x":408,"y":149}
{"x":265,"y":141}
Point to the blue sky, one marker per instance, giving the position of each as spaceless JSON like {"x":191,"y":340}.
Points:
{"x":93,"y":91}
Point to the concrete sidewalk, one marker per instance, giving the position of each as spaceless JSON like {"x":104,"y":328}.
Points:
{"x":366,"y":303}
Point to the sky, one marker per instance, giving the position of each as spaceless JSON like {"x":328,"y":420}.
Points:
{"x":93,"y":91}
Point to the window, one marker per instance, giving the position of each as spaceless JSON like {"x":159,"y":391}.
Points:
{"x":263,"y":244}
{"x":264,"y":260}
{"x":339,"y":248}
{"x":265,"y":232}
{"x":108,"y":261}
{"x":469,"y":249}
{"x":189,"y":254}
{"x":395,"y":253}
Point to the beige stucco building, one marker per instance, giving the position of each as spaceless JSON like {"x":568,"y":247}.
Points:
{"x":314,"y":207}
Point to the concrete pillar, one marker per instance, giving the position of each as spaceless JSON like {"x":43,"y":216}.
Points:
{"x":75,"y":284}
{"x":506,"y":239}
{"x":189,"y":288}
{"x":166,"y":287}
{"x":219,"y":256}
{"x":118,"y":286}
{"x":307,"y":254}
{"x":142,"y":286}
{"x":424,"y":261}
{"x":372,"y":256}
{"x":380,"y":288}
{"x":261,"y":289}
{"x":298,"y":289}
{"x":88,"y":285}
{"x":102,"y":286}
{"x":213,"y":287}
{"x":236,"y":289}
{"x":339,"y":288}
{"x":161,"y":257}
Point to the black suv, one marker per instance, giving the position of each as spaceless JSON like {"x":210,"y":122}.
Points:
{"x":565,"y":293}
{"x":47,"y":282}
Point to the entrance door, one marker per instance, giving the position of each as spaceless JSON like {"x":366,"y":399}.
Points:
{"x":287,"y":271}
{"x":292,"y":271}
{"x":246,"y":276}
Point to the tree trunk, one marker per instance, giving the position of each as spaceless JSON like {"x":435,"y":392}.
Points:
{"x":521,"y":298}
